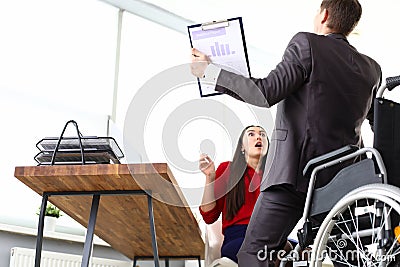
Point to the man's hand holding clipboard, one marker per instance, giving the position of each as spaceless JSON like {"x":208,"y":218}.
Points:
{"x":221,"y":43}
{"x":200,"y":62}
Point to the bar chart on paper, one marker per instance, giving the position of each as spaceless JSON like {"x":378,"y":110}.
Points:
{"x":223,"y":53}
{"x":218,"y":50}
{"x":223,"y":42}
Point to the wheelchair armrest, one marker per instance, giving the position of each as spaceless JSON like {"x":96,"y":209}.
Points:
{"x":335,"y":154}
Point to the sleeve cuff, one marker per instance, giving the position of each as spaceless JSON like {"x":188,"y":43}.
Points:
{"x":211,"y":73}
{"x":211,"y":215}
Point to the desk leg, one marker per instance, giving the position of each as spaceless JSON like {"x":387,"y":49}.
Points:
{"x":87,"y":249}
{"x":153,"y":231}
{"x":39,"y":239}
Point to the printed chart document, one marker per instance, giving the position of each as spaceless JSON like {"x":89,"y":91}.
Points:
{"x":224,"y":43}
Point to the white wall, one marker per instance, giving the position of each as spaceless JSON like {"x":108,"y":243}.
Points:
{"x":57,"y":63}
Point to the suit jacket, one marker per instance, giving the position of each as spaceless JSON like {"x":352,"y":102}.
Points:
{"x":324,"y":90}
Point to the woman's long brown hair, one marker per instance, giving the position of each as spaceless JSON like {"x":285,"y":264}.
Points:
{"x":235,"y":197}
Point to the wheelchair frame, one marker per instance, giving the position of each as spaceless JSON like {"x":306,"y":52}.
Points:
{"x":384,"y":197}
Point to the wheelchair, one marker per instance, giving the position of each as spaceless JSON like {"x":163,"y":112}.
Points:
{"x":354,"y":220}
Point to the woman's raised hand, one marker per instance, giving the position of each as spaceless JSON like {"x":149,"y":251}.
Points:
{"x":206,"y":165}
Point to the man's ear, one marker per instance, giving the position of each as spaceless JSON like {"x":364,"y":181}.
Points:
{"x":324,"y":16}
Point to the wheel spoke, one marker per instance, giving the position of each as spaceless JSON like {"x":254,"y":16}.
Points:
{"x":355,"y":232}
{"x":349,"y":236}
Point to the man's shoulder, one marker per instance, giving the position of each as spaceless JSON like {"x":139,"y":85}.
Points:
{"x":303,"y":38}
{"x":306,"y":35}
{"x":372,"y":62}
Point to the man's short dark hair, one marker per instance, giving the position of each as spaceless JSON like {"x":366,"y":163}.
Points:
{"x":343,"y":14}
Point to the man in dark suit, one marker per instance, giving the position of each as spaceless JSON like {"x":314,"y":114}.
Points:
{"x":324,"y":90}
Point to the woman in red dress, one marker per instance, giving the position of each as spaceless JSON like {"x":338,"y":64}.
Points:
{"x":234,"y":187}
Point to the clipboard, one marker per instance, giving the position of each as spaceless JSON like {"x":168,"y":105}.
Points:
{"x":224,"y":42}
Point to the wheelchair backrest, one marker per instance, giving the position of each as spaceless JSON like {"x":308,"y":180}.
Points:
{"x":346,"y":180}
{"x":387,"y":136}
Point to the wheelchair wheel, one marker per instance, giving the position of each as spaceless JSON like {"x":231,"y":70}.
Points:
{"x":360,"y":230}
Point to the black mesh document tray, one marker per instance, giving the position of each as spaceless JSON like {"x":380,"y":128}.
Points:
{"x":77,"y":149}
{"x":97,"y":150}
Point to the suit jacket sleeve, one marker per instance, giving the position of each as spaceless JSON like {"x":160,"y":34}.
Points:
{"x":288,"y":76}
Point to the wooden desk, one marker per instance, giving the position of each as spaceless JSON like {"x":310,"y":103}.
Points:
{"x":122,"y":216}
